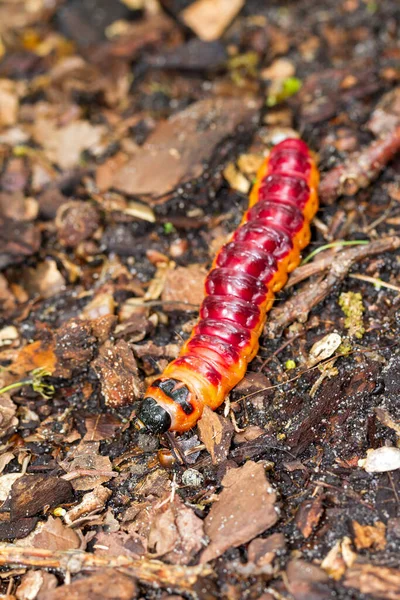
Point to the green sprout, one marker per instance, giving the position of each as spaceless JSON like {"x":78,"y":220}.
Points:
{"x":168,"y":228}
{"x":290,"y":86}
{"x":333,"y":245}
{"x":35,"y":379}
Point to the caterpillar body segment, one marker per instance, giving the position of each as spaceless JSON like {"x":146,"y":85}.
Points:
{"x":239,"y":291}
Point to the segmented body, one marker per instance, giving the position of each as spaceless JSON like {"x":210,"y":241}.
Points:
{"x":240,"y":289}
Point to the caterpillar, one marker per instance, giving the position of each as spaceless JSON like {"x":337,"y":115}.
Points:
{"x":239,"y":291}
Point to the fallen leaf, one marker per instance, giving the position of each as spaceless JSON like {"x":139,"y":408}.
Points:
{"x":309,"y":515}
{"x":245,"y":508}
{"x":8,"y":410}
{"x":178,"y":148}
{"x":176,"y":533}
{"x":376,"y":581}
{"x":31,"y":493}
{"x":8,"y":103}
{"x":86,"y":457}
{"x":209,"y":18}
{"x":183,"y":285}
{"x":101,"y":427}
{"x":307,"y":581}
{"x":54,"y":535}
{"x":367,"y":536}
{"x":76,"y":221}
{"x":44,"y":280}
{"x":118,"y":373}
{"x":216,"y":434}
{"x":262,"y":551}
{"x":34,"y":582}
{"x":101,"y":586}
{"x":64,"y":145}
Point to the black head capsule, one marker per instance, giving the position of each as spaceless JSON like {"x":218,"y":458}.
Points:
{"x":154,"y":416}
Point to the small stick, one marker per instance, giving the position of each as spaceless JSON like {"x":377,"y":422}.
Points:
{"x":152,"y":572}
{"x":298,"y":307}
{"x":360,"y":168}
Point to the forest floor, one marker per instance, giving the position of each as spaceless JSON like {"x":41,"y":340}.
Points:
{"x":130,"y":133}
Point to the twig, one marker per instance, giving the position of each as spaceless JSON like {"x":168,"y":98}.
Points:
{"x":361,"y":168}
{"x":376,"y":281}
{"x":298,"y":307}
{"x":152,"y":572}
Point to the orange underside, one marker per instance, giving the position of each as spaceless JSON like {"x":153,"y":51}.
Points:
{"x":202,"y":391}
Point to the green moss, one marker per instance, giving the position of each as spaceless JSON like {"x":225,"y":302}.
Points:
{"x":353,"y":308}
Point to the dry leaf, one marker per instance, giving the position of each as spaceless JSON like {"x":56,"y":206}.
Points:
{"x":184,"y":285}
{"x":64,"y":145}
{"x":101,"y":586}
{"x":118,"y":373}
{"x":216,"y":434}
{"x":210,"y":18}
{"x":176,"y":533}
{"x":367,"y":536}
{"x":245,"y":508}
{"x":86,"y":457}
{"x":54,"y":535}
{"x":101,"y":427}
{"x":376,"y":581}
{"x":8,"y":420}
{"x":309,"y":515}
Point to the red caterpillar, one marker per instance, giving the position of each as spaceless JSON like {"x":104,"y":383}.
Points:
{"x":240,"y":289}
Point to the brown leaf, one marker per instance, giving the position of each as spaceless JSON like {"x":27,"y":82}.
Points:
{"x":216,"y":434}
{"x":34,"y":582}
{"x":307,"y":581}
{"x":117,"y":370}
{"x":184,"y":285}
{"x":179,"y":147}
{"x":8,"y":420}
{"x":76,"y":221}
{"x":101,"y":586}
{"x":245,"y":508}
{"x":86,"y":457}
{"x":379,"y":582}
{"x":54,"y":535}
{"x":262,"y":551}
{"x":120,"y":543}
{"x":31,"y":493}
{"x":8,"y":103}
{"x":45,"y":279}
{"x":64,"y":145}
{"x":210,"y":18}
{"x":101,"y":427}
{"x":176,"y":533}
{"x":367,"y":536}
{"x":18,"y":241}
{"x":33,"y":356}
{"x":308,"y":516}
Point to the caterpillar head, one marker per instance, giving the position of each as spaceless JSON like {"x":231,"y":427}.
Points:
{"x":169,"y":405}
{"x":154,"y":416}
